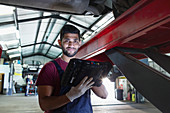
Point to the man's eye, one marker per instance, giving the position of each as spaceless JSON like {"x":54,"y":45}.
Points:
{"x":66,"y":41}
{"x":76,"y":41}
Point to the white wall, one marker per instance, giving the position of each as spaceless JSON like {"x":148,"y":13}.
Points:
{"x":6,"y":70}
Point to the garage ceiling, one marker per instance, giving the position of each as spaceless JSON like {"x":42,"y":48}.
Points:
{"x":26,"y":33}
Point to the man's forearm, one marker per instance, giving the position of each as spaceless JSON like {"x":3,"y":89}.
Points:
{"x":100,"y":91}
{"x":52,"y":102}
{"x":48,"y":102}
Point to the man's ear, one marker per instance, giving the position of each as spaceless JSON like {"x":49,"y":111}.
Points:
{"x":59,"y":42}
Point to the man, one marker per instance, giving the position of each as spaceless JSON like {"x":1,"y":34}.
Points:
{"x":55,"y":99}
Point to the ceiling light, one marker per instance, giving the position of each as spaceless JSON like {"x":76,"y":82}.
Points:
{"x":8,"y":30}
{"x":11,"y":42}
{"x":12,"y":50}
{"x":46,"y":14}
{"x":14,"y":55}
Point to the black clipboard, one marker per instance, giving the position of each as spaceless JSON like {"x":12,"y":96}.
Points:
{"x":77,"y":69}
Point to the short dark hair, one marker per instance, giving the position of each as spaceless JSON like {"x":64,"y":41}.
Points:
{"x":69,"y":29}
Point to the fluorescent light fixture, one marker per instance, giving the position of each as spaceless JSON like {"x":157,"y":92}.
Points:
{"x":8,"y":30}
{"x":11,"y":42}
{"x":33,"y":69}
{"x":46,"y":14}
{"x":13,"y":50}
{"x":6,"y":10}
{"x":14,"y":55}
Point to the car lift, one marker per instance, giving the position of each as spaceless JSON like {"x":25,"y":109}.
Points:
{"x":142,"y":31}
{"x":152,"y":84}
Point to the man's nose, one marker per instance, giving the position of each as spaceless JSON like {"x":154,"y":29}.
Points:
{"x":71,"y":43}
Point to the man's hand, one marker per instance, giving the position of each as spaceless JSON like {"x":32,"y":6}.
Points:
{"x":80,"y":89}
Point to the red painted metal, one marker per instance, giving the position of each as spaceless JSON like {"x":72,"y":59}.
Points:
{"x":144,"y":25}
{"x":101,"y":58}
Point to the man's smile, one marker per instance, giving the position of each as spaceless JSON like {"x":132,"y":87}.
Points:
{"x":70,"y":49}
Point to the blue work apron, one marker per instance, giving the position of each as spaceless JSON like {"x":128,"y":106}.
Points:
{"x":79,"y":105}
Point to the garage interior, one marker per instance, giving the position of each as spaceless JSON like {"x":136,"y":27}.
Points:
{"x":29,"y":34}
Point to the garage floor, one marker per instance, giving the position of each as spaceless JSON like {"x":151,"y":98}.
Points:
{"x":18,"y":103}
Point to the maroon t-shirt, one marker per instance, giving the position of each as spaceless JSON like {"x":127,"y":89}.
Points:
{"x":49,"y":75}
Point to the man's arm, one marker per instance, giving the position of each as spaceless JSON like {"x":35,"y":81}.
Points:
{"x":100,"y":91}
{"x":48,"y":102}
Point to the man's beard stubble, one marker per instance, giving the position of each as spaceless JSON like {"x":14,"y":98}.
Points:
{"x":65,"y":52}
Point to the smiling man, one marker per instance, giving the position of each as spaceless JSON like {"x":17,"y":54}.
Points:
{"x":70,"y":44}
{"x":56,"y":99}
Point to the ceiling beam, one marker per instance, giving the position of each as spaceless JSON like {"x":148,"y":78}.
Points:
{"x":45,"y":17}
{"x":38,"y":54}
{"x":36,"y":44}
{"x":49,"y":31}
{"x":41,"y":43}
{"x":38,"y":30}
{"x":16,"y":19}
{"x":44,"y":36}
{"x":68,"y":20}
{"x":59,"y":55}
{"x":17,"y":28}
{"x":24,"y":20}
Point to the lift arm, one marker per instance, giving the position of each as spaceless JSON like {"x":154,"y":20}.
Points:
{"x":152,"y":84}
{"x":145,"y":25}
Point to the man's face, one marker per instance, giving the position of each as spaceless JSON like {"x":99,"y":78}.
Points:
{"x":70,"y":44}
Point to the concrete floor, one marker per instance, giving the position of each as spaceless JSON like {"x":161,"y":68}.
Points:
{"x":18,"y":103}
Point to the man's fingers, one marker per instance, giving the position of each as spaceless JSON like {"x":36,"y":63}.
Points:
{"x":90,"y":84}
{"x":83,"y":81}
{"x":88,"y":81}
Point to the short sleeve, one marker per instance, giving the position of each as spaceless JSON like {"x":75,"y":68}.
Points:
{"x":48,"y":75}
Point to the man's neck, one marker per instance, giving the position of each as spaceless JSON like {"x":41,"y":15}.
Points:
{"x":66,"y":58}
